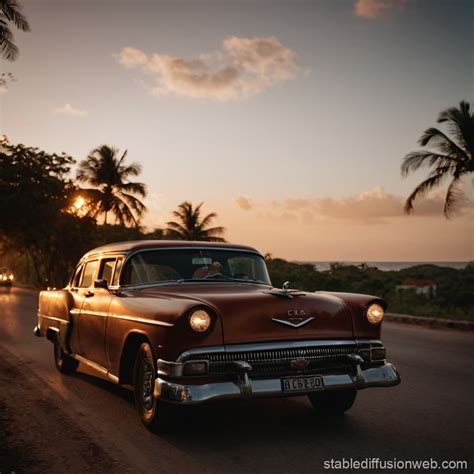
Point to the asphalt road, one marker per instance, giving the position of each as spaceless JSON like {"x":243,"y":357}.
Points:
{"x":430,"y":415}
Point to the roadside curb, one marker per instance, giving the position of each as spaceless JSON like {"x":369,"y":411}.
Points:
{"x":430,"y":322}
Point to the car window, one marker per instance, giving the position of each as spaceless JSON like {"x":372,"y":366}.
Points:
{"x":107,"y":270}
{"x":243,"y":268}
{"x":88,"y":274}
{"x":77,"y":276}
{"x":115,"y":281}
{"x":202,"y":264}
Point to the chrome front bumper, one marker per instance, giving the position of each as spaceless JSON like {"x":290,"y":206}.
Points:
{"x":385,"y":375}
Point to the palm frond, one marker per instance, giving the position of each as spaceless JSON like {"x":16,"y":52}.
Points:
{"x":206,"y":220}
{"x":425,"y":186}
{"x":460,"y":122}
{"x":453,"y":197}
{"x":174,"y":235}
{"x":12,"y":11}
{"x":133,"y":202}
{"x":437,"y":138}
{"x":8,"y":48}
{"x":418,"y":159}
{"x":134,"y":188}
{"x":213,"y":231}
{"x":176,"y":227}
{"x":122,"y":158}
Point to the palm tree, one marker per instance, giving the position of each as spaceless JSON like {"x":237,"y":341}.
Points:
{"x":10,"y":11}
{"x":112,"y":191}
{"x":451,"y":157}
{"x":190,"y":226}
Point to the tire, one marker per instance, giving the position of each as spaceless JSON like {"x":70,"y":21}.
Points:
{"x":335,"y":402}
{"x":64,"y":363}
{"x":155,"y":414}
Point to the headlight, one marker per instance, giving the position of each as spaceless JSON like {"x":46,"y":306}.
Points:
{"x":200,"y":320}
{"x":375,"y":313}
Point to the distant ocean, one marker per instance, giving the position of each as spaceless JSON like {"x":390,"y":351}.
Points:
{"x":390,"y":266}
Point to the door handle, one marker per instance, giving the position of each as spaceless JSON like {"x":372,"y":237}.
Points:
{"x":88,"y":293}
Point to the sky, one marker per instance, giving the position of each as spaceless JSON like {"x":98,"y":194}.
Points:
{"x":289,"y":119}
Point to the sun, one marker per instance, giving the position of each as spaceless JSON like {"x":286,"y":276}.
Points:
{"x":79,"y":203}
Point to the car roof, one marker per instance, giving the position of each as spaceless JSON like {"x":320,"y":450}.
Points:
{"x":135,"y":245}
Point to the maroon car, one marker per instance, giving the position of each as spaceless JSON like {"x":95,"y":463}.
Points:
{"x":189,"y":322}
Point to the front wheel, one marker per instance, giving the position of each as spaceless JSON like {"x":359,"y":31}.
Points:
{"x":153,"y":413}
{"x":335,"y":402}
{"x":64,"y":363}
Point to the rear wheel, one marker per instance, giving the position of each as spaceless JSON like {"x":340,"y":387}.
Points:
{"x":335,"y":402}
{"x":153,"y":413}
{"x":64,"y":363}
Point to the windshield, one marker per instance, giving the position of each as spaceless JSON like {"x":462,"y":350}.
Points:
{"x":200,"y":264}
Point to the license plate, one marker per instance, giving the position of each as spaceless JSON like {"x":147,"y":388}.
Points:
{"x":302,"y":384}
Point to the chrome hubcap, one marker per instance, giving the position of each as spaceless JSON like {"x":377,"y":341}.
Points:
{"x":147,"y":384}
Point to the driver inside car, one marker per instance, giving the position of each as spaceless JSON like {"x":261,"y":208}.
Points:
{"x":213,"y":269}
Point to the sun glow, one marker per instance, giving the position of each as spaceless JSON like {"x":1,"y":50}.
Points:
{"x":79,"y":203}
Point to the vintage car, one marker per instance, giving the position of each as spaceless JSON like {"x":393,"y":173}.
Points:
{"x":6,"y":277}
{"x":190,"y":322}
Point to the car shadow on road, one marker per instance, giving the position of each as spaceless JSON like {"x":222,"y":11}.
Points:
{"x":107,"y":385}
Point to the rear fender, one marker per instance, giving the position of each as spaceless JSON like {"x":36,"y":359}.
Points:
{"x":54,"y":317}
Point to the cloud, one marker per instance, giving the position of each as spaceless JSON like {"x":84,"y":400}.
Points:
{"x":372,"y":9}
{"x":242,"y":68}
{"x":371,"y":206}
{"x":244,"y":203}
{"x":68,"y":109}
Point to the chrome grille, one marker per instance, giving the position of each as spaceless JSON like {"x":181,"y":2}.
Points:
{"x":278,"y":361}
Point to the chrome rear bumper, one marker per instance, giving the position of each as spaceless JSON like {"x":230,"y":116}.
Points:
{"x":385,"y":375}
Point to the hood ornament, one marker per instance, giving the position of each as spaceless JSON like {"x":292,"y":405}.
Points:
{"x":285,"y":291}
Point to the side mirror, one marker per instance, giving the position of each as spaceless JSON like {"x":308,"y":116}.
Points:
{"x":101,"y":284}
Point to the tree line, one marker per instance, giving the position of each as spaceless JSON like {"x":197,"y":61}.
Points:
{"x":48,"y":221}
{"x":454,"y":298}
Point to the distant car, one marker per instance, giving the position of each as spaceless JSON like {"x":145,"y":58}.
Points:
{"x":6,"y":277}
{"x":190,"y":322}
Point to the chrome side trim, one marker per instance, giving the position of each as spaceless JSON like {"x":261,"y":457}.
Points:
{"x":141,"y":320}
{"x":262,"y":346}
{"x":102,"y":314}
{"x":96,"y":367}
{"x":293,"y":325}
{"x":126,"y":317}
{"x":52,"y":318}
{"x":89,"y":363}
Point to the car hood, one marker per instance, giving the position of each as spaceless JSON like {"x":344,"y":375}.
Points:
{"x":258,"y":313}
